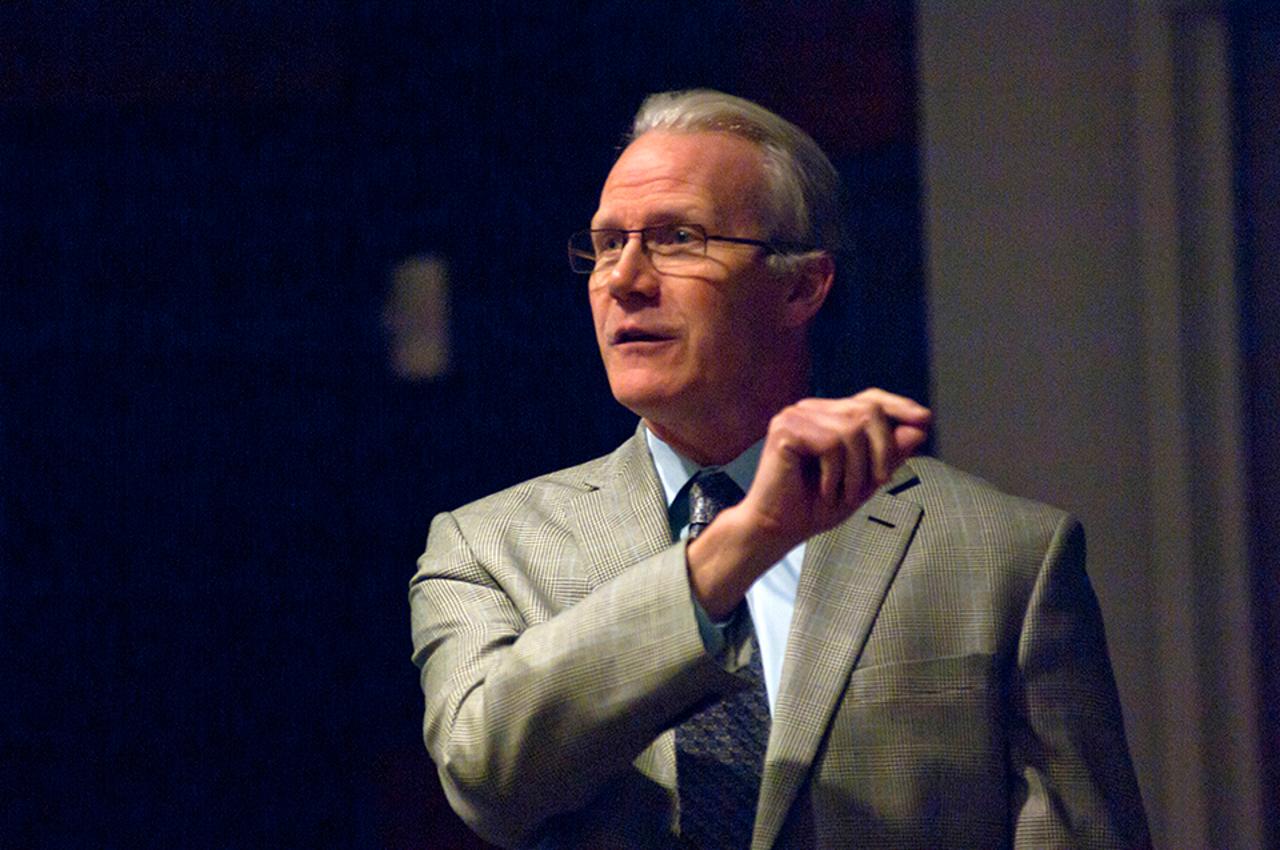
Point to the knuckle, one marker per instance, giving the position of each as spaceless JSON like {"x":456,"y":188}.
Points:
{"x":859,"y":415}
{"x":829,"y":441}
{"x":780,"y":422}
{"x":789,"y":418}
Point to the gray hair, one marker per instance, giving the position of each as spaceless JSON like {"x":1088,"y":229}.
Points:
{"x":804,"y":187}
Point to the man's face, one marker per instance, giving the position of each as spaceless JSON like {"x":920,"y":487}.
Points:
{"x":680,"y":346}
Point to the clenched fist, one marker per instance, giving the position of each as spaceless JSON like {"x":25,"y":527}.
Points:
{"x":822,"y":459}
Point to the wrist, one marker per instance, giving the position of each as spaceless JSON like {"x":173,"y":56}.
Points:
{"x":757,"y":534}
{"x":727,"y":558}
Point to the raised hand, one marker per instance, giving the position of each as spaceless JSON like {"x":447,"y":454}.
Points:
{"x":822,"y":459}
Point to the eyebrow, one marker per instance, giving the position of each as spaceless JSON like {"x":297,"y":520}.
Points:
{"x":669,"y":215}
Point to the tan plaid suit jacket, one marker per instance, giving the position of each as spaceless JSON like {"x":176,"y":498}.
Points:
{"x":945,"y":684}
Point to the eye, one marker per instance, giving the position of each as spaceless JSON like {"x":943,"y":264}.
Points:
{"x":608,"y":241}
{"x":681,"y":235}
{"x":673,"y":236}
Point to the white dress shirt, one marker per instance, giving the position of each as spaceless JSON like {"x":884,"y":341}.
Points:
{"x":772,"y":598}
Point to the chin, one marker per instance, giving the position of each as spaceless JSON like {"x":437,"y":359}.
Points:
{"x":643,"y":398}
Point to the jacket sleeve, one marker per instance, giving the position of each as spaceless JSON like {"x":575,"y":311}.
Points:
{"x":527,"y":721}
{"x":1074,"y":786}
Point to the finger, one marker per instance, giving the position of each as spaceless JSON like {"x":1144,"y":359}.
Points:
{"x":897,"y":407}
{"x":789,"y":442}
{"x":908,"y":438}
{"x":882,"y":448}
{"x":817,"y":433}
{"x":857,"y":471}
{"x":870,"y":453}
{"x":832,"y":463}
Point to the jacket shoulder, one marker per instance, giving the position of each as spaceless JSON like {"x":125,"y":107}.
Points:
{"x":543,"y":497}
{"x":938,"y":485}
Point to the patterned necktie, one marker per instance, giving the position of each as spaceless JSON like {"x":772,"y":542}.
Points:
{"x":720,"y":750}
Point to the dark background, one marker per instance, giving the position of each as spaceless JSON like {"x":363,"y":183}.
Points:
{"x":214,"y":487}
{"x":212,"y":484}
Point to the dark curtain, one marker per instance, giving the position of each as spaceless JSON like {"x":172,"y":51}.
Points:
{"x":214,"y":486}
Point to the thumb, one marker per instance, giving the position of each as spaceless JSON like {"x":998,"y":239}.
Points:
{"x":909,"y":438}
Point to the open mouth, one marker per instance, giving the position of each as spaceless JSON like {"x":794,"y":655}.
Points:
{"x":630,"y":335}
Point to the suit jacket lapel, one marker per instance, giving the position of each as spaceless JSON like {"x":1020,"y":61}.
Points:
{"x":843,"y":582}
{"x":619,"y":521}
{"x":622,"y":519}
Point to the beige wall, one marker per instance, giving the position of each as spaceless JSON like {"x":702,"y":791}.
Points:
{"x":1077,"y":194}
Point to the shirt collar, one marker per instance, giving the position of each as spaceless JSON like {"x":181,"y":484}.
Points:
{"x":675,"y":470}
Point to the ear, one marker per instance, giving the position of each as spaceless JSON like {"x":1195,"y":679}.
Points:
{"x":808,"y":289}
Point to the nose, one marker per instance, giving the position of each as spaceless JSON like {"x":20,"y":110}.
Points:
{"x":633,"y":274}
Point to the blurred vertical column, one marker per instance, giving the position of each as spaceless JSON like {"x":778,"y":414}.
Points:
{"x":1255,"y":44}
{"x":1080,"y":247}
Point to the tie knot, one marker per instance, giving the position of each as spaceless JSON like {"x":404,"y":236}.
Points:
{"x":710,"y":492}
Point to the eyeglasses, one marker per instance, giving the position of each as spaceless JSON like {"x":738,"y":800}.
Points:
{"x":671,"y":247}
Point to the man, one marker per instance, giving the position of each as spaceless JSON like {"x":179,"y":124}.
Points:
{"x":929,"y":650}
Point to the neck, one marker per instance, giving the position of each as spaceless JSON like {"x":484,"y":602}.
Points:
{"x":715,"y":435}
{"x":703,"y":447}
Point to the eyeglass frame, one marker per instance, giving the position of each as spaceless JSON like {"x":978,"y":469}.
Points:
{"x":771,"y":248}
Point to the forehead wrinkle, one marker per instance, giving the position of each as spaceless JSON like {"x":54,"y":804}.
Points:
{"x":650,"y":185}
{"x":637,"y":206}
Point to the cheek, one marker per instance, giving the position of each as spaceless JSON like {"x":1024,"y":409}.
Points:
{"x":598,"y":311}
{"x":740,"y":325}
{"x":761,"y":313}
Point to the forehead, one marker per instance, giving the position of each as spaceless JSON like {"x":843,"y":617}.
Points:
{"x":711,"y":178}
